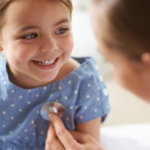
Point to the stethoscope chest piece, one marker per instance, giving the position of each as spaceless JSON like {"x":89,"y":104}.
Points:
{"x":52,"y":107}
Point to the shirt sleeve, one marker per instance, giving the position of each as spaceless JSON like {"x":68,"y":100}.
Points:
{"x":92,"y":101}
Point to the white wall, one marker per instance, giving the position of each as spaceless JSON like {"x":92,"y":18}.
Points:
{"x":85,"y":42}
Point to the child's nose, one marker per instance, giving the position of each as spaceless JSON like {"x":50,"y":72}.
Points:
{"x":49,"y":46}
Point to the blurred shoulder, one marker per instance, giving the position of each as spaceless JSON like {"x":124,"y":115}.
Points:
{"x":68,"y":67}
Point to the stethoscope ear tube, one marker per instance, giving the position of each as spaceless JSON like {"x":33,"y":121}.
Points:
{"x":52,"y":107}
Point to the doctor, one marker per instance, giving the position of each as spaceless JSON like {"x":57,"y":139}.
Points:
{"x":122,"y":29}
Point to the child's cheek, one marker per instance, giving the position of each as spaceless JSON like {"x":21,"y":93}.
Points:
{"x":67,"y":44}
{"x":25,"y":51}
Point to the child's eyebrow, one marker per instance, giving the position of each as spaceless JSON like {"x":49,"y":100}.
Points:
{"x":34,"y":27}
{"x":27,"y":28}
{"x":62,"y":21}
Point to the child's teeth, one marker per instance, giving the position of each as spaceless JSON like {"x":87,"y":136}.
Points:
{"x":45,"y":63}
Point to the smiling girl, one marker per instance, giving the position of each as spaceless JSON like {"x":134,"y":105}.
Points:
{"x":122,"y":29}
{"x":36,"y":68}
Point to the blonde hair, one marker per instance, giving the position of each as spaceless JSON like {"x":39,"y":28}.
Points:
{"x":67,"y":4}
{"x":128,"y":26}
{"x":5,"y":3}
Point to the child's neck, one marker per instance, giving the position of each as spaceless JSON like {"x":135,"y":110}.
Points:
{"x":24,"y":81}
{"x":27,"y":82}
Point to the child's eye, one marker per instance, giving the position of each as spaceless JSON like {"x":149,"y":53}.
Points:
{"x":61,"y":31}
{"x":30,"y":36}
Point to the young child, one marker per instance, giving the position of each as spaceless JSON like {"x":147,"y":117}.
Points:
{"x":122,"y":28}
{"x":35,"y":68}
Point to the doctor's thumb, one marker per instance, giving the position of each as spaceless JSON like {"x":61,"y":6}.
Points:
{"x":56,"y":121}
{"x":51,"y":117}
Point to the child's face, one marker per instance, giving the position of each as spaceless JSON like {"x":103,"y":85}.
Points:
{"x":36,"y":39}
{"x":131,"y":75}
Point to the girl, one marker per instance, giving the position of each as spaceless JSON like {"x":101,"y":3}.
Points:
{"x":122,"y":28}
{"x":36,"y":42}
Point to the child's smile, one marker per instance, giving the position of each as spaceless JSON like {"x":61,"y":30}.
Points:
{"x":46,"y":64}
{"x":42,"y":45}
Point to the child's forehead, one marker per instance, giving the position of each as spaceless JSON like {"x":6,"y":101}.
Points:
{"x":27,"y":11}
{"x":31,"y":6}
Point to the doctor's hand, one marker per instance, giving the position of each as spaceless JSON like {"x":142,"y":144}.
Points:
{"x":59,"y":138}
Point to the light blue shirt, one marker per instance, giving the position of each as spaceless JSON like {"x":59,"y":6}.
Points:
{"x":82,"y":93}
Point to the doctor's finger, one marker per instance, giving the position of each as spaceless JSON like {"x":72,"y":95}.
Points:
{"x":50,"y":136}
{"x":55,"y":144}
{"x":52,"y":143}
{"x":62,"y":133}
{"x":51,"y":132}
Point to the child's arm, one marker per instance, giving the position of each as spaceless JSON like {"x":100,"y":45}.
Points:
{"x":92,"y":128}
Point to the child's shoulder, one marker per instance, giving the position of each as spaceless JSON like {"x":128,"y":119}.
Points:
{"x":2,"y":63}
{"x":67,"y":68}
{"x":71,"y":65}
{"x":79,"y":66}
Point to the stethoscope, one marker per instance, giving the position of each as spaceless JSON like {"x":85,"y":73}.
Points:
{"x":52,"y":107}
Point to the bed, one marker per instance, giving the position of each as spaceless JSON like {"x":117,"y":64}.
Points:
{"x":126,"y":137}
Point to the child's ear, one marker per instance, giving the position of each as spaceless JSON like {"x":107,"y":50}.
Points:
{"x":145,"y":57}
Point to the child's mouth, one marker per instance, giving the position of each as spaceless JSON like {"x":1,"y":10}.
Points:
{"x":45,"y":63}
